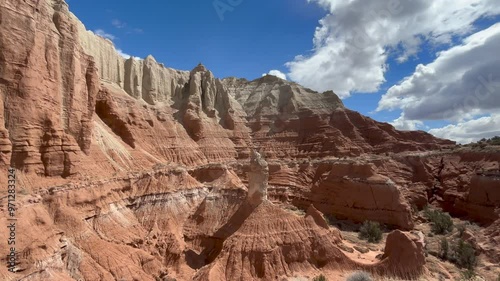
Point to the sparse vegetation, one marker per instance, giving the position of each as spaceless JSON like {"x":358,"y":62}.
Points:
{"x":464,"y":255}
{"x":461,"y":253}
{"x":320,"y":277}
{"x":444,"y":248}
{"x":484,"y":142}
{"x":441,"y":222}
{"x":468,"y":275}
{"x":371,"y":232}
{"x":461,"y":229}
{"x":359,"y":276}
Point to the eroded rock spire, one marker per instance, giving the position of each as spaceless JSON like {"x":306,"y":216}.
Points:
{"x":257,"y":179}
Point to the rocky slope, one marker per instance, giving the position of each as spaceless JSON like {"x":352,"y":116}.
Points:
{"x":290,"y":121}
{"x":129,"y":170}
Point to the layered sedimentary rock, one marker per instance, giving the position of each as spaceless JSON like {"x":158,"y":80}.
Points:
{"x":250,"y":238}
{"x":195,"y":111}
{"x":357,"y":192}
{"x":48,"y":88}
{"x":129,"y":170}
{"x":257,"y":179}
{"x":353,"y":189}
{"x":288,"y":120}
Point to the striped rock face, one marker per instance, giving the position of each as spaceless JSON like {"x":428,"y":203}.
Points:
{"x":130,"y":170}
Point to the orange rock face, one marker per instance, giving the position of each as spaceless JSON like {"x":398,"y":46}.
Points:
{"x":128,"y":170}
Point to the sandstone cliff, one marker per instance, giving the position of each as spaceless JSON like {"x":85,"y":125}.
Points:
{"x":129,"y":170}
{"x":288,"y":120}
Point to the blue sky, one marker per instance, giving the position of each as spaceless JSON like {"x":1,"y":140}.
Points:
{"x":312,"y":43}
{"x":252,"y":39}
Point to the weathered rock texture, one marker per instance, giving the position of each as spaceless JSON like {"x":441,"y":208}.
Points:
{"x":129,"y":170}
{"x":288,"y":120}
{"x":48,"y":88}
{"x":257,"y":179}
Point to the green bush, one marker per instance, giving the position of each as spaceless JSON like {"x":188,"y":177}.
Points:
{"x":461,"y":229}
{"x":441,"y":222}
{"x":444,"y":248}
{"x":321,"y":277}
{"x":495,"y":141}
{"x":468,"y":274}
{"x":370,"y":231}
{"x":464,"y":255}
{"x":359,"y":276}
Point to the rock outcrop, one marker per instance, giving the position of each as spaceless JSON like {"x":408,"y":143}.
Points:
{"x":48,"y":86}
{"x":404,"y":256}
{"x":130,"y":170}
{"x":290,"y":121}
{"x":257,"y":179}
{"x":357,"y":192}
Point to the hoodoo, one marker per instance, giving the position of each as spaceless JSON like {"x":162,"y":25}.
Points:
{"x":258,"y":177}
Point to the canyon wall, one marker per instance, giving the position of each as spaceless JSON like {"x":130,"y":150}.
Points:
{"x":49,"y":87}
{"x":127,"y":169}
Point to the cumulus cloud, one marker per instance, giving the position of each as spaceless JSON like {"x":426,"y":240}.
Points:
{"x":353,"y":42}
{"x":104,"y":34}
{"x":121,"y":53}
{"x":463,"y":82}
{"x":407,"y":125}
{"x":276,"y":73}
{"x":472,"y":130}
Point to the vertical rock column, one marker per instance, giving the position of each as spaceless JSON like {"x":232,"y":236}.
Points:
{"x":257,"y":179}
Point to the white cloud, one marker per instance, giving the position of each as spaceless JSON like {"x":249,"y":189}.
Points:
{"x":353,"y":41}
{"x":276,"y":73}
{"x":463,"y":82}
{"x":104,"y":34}
{"x":121,"y":53}
{"x":407,"y":125}
{"x":118,"y":23}
{"x":470,"y":131}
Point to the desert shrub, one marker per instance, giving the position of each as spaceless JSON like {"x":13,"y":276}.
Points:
{"x":495,"y":141}
{"x":320,"y":277}
{"x":464,"y":255}
{"x":468,"y":275}
{"x":359,"y":276}
{"x":444,"y":248}
{"x":371,"y":232}
{"x":441,"y":222}
{"x":461,"y":229}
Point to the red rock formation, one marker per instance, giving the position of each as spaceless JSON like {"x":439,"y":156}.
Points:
{"x":125,"y":167}
{"x":49,"y":86}
{"x":257,"y":179}
{"x":357,"y":192}
{"x":403,"y":256}
{"x":290,"y":121}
